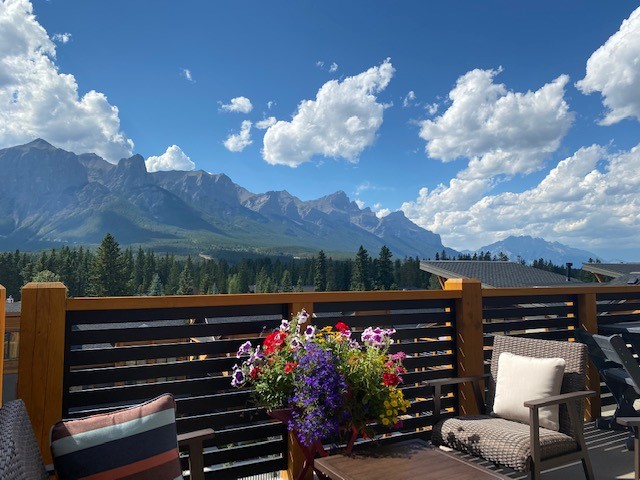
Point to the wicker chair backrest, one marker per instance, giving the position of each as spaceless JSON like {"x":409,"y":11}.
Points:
{"x":573,"y":353}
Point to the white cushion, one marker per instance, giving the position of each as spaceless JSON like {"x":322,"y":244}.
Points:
{"x":521,"y":379}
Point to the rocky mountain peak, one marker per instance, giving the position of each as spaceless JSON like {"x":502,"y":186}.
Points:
{"x":130,"y":173}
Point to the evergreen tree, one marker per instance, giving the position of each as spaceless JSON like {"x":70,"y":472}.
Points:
{"x":46,"y":276}
{"x":300,"y":285}
{"x":233,"y":284}
{"x":107,"y":278}
{"x":155,"y":289}
{"x":384,"y":270}
{"x":286,"y":284}
{"x":263,"y":282}
{"x":185,"y":281}
{"x":320,"y":277}
{"x":137,"y":282}
{"x":360,"y":276}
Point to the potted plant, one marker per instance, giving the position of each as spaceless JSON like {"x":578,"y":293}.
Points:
{"x":325,"y":380}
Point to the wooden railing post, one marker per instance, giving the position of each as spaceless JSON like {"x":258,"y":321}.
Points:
{"x":40,"y":365}
{"x":469,"y":339}
{"x":588,"y":319}
{"x":295,"y":456}
{"x":3,"y":304}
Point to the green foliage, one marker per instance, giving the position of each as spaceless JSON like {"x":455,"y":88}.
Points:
{"x":108,"y":276}
{"x":384,"y":269}
{"x":320,"y":278}
{"x":361,"y":274}
{"x":46,"y":276}
{"x":155,"y":289}
{"x":108,"y":271}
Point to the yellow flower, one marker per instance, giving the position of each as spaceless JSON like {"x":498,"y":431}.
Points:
{"x":385,"y":421}
{"x":389,"y":413}
{"x":394,"y":403}
{"x":386,"y":404}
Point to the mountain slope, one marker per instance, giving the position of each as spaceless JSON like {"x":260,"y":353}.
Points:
{"x":54,"y":196}
{"x":530,"y":249}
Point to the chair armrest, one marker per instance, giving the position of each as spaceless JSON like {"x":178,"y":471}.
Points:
{"x":185,"y":439}
{"x":193,"y":441}
{"x":440,"y":382}
{"x":455,"y":380}
{"x":629,"y":421}
{"x":558,"y":399}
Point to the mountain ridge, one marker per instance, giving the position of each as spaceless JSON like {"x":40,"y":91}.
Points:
{"x":528,"y":248}
{"x":53,"y":196}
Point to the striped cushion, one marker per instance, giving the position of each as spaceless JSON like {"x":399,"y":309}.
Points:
{"x":135,"y":443}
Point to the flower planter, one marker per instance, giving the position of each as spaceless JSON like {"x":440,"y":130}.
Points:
{"x":284,"y":415}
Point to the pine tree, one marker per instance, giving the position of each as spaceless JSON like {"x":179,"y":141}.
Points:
{"x":360,"y":276}
{"x":263,"y":282}
{"x":107,"y":277}
{"x":185,"y":281}
{"x":384,"y":271}
{"x":155,"y":289}
{"x":286,"y":284}
{"x":320,"y":277}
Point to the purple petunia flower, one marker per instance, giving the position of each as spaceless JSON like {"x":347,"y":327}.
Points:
{"x":244,"y":349}
{"x":309,"y":332}
{"x":285,"y":326}
{"x":238,"y":377}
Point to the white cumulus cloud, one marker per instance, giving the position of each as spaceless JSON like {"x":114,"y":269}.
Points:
{"x":502,"y":134}
{"x":500,"y":131}
{"x":333,"y":67}
{"x":588,"y":199}
{"x":380,"y":211}
{"x":409,"y":99}
{"x":265,"y":123}
{"x":238,"y":104}
{"x":62,"y":37}
{"x":360,"y":203}
{"x":237,"y":142}
{"x":341,"y":122}
{"x":39,"y":101}
{"x":614,"y":71}
{"x":173,"y":159}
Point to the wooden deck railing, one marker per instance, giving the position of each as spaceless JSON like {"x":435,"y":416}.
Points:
{"x":86,"y":355}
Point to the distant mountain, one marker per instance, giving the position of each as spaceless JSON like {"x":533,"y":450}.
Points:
{"x":52,"y":196}
{"x":530,"y":249}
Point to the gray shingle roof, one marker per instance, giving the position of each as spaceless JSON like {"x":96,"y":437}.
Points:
{"x":496,"y":274}
{"x":626,"y":279}
{"x":613,"y":270}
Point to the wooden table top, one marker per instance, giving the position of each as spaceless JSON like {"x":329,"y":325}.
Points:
{"x":402,"y":461}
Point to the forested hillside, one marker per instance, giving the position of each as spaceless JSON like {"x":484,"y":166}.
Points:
{"x":110,"y":270}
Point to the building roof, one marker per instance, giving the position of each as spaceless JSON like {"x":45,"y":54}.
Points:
{"x":613,"y":270}
{"x":12,"y":307}
{"x":626,"y":279}
{"x":496,"y":274}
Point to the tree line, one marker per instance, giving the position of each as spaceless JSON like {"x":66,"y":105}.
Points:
{"x":111,"y":271}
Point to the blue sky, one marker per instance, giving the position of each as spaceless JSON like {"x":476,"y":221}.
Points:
{"x":478,"y":119}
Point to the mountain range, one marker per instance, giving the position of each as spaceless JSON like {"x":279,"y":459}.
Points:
{"x":530,"y":248}
{"x":51,"y":196}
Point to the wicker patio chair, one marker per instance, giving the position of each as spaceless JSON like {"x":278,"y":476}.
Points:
{"x":20,"y":457}
{"x":513,"y":444}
